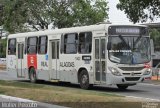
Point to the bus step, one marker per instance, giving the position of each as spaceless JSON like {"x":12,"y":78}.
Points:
{"x":54,"y":80}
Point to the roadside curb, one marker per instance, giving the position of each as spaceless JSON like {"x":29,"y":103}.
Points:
{"x":154,"y":82}
{"x":145,"y":99}
{"x":15,"y":98}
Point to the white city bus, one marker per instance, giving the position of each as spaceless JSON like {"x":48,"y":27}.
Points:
{"x":88,"y":55}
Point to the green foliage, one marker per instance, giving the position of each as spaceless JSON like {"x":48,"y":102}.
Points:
{"x":3,"y":44}
{"x":18,"y":14}
{"x":140,"y":10}
{"x":155,"y":35}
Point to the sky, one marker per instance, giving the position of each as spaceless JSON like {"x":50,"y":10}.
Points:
{"x":118,"y":16}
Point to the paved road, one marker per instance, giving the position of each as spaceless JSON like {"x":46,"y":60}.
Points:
{"x":141,"y":90}
{"x":144,"y":90}
{"x":5,"y":76}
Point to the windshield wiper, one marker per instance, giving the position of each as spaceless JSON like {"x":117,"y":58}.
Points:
{"x":137,"y":40}
{"x":124,"y":41}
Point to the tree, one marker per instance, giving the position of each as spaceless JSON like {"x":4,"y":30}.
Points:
{"x":155,"y":35}
{"x":140,"y":10}
{"x":3,"y":44}
{"x":38,"y":14}
{"x":1,"y":13}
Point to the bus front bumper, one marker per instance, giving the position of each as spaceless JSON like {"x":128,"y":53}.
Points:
{"x":112,"y":79}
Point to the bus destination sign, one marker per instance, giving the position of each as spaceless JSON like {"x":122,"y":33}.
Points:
{"x":127,"y":30}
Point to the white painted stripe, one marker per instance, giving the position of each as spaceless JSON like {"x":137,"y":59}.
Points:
{"x":15,"y":99}
{"x":144,"y":98}
{"x":151,"y":84}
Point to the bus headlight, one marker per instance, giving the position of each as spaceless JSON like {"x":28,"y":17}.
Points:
{"x":147,"y":72}
{"x":114,"y":71}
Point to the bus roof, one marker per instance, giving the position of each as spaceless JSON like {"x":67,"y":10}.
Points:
{"x":68,"y":30}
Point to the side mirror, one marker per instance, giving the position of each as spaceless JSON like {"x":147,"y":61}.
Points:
{"x":109,"y":46}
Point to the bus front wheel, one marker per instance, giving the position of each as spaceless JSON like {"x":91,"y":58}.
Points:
{"x":32,"y":75}
{"x":84,"y":79}
{"x":122,"y":86}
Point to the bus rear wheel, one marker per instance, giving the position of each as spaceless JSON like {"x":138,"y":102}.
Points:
{"x":122,"y":86}
{"x":84,"y":80}
{"x":32,"y":75}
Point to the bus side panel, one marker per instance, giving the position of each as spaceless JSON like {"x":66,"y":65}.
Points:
{"x":68,"y":72}
{"x":26,"y":67}
{"x":11,"y":63}
{"x":32,"y":61}
{"x":85,"y":64}
{"x":43,"y":69}
{"x":70,"y":65}
{"x":11,"y":66}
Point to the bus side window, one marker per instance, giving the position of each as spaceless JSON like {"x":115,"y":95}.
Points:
{"x":25,"y":51}
{"x":62,"y":44}
{"x":12,"y":47}
{"x":42,"y":47}
{"x":85,"y":43}
{"x":70,"y":43}
{"x":32,"y":45}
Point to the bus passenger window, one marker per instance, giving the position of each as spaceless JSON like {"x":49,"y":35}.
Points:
{"x":12,"y":47}
{"x":70,"y":43}
{"x":103,"y":41}
{"x":85,"y":43}
{"x":25,"y":51}
{"x":43,"y":40}
{"x":32,"y":45}
{"x":62,"y":44}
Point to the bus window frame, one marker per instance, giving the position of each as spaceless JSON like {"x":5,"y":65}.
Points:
{"x":85,"y":42}
{"x":63,"y":43}
{"x":32,"y":45}
{"x":46,"y":44}
{"x":26,"y":43}
{"x":9,"y":53}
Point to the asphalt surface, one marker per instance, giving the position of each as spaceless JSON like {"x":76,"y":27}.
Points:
{"x":142,"y":90}
{"x":5,"y":76}
{"x":150,"y":91}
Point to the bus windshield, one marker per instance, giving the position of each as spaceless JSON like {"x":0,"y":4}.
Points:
{"x":129,"y":49}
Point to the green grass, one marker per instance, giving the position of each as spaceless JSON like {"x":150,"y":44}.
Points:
{"x":59,"y":95}
{"x":20,"y":84}
{"x":57,"y":88}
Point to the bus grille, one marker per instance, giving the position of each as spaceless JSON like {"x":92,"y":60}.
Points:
{"x":131,"y":68}
{"x":132,"y":78}
{"x":130,"y":74}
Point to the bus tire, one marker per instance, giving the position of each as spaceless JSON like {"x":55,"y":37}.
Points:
{"x":122,"y":86}
{"x":32,"y":75}
{"x":84,"y":80}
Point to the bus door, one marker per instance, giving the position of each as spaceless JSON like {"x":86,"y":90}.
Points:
{"x":20,"y":61}
{"x":55,"y":59}
{"x":100,"y":59}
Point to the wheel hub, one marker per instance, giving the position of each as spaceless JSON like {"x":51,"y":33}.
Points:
{"x":84,"y":79}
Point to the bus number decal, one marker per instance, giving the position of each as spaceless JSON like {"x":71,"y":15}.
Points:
{"x":67,"y":64}
{"x":32,"y":61}
{"x":78,"y":58}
